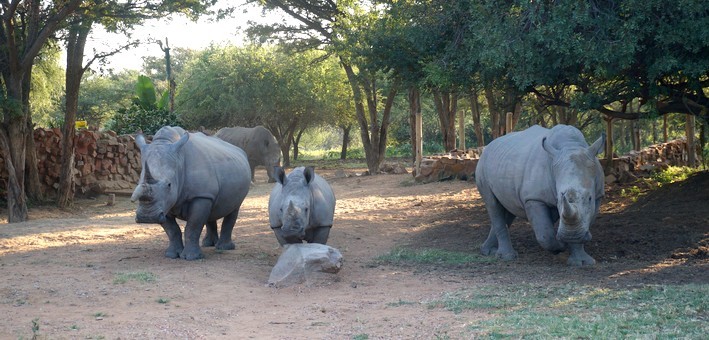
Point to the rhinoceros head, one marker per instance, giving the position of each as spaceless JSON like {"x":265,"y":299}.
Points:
{"x":296,"y":206}
{"x":159,"y":184}
{"x":576,"y":173}
{"x":272,"y":157}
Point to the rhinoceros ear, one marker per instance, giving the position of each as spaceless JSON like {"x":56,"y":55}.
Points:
{"x":548,"y":148}
{"x":279,"y":174}
{"x":177,"y":145}
{"x":309,"y":174}
{"x":598,"y":146}
{"x":140,"y":140}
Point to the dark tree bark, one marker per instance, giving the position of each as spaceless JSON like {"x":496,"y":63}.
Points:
{"x":345,"y":141}
{"x":414,"y":110}
{"x":446,"y":107}
{"x":475,"y":108}
{"x":76,"y":42}
{"x":372,"y":130}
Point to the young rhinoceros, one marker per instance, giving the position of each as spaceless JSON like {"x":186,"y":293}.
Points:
{"x":545,"y":176}
{"x":195,"y":178}
{"x":301,"y":207}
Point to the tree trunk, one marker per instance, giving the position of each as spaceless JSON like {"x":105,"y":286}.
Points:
{"x":374,"y":134}
{"x":446,"y":106}
{"x":345,"y":141}
{"x":494,"y":113}
{"x":76,"y":41}
{"x":14,"y":138}
{"x":461,"y":130}
{"x":609,"y":143}
{"x":296,"y":143}
{"x":414,"y":96}
{"x":691,"y":146}
{"x":475,"y":108}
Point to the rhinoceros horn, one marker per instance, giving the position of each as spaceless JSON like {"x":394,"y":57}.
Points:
{"x":291,"y":209}
{"x":569,"y":213}
{"x":148,"y":176}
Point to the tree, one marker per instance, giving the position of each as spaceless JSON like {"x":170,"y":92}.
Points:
{"x":25,"y":28}
{"x":340,"y":29}
{"x":114,"y":16}
{"x":250,"y":86}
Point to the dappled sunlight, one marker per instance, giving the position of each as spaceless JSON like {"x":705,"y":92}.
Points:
{"x":86,"y":235}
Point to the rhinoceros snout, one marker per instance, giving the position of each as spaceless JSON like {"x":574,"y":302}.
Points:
{"x":140,"y":218}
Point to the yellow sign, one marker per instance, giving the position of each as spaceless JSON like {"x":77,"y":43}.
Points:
{"x":81,"y":124}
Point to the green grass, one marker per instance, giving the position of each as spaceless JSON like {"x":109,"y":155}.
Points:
{"x":134,"y":276}
{"x":430,"y":256}
{"x":540,"y":312}
{"x":360,"y":337}
{"x":162,"y":300}
{"x":673,"y":174}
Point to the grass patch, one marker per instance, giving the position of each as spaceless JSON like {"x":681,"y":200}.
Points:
{"x":162,"y":300}
{"x":430,"y":256}
{"x":585,"y":312}
{"x":134,"y":276}
{"x":400,"y":303}
{"x":673,"y":174}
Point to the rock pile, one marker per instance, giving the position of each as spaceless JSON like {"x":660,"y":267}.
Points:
{"x":457,"y":164}
{"x":103,"y":161}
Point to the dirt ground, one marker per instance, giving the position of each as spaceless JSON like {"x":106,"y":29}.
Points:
{"x":60,"y":271}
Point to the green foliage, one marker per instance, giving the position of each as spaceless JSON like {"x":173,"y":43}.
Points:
{"x":102,"y":96}
{"x":148,"y":111}
{"x":528,"y":311}
{"x":673,"y":174}
{"x":134,"y":276}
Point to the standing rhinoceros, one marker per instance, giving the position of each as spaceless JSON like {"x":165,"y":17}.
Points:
{"x":301,"y":207}
{"x":541,"y":175}
{"x":258,"y":143}
{"x":195,"y":178}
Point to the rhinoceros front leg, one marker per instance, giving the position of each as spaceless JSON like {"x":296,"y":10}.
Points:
{"x":174,"y":235}
{"x":540,"y":216}
{"x":578,"y":256}
{"x":225,"y":242}
{"x":199,"y":211}
{"x":210,"y":239}
{"x":498,"y":240}
{"x":318,"y":234}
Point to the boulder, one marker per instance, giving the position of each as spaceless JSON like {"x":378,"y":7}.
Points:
{"x":309,"y":263}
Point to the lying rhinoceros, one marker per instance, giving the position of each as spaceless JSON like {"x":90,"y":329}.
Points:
{"x":301,"y":207}
{"x":541,"y":175}
{"x":258,"y":143}
{"x":195,"y":178}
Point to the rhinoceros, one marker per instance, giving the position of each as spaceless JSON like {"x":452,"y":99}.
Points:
{"x":259,"y":144}
{"x":195,"y":178}
{"x":301,"y":207}
{"x":545,"y":176}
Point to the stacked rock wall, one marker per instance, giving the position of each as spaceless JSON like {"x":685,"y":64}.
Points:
{"x":461,"y":164}
{"x":103,"y":161}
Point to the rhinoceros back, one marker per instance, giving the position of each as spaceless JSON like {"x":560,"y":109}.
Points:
{"x":515,"y":168}
{"x":216,"y":170}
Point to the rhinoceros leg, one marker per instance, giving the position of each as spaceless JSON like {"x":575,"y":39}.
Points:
{"x":318,"y":235}
{"x":225,"y":242}
{"x":210,"y":239}
{"x":198,"y":213}
{"x":542,"y":219}
{"x":498,"y":240}
{"x":578,"y":256}
{"x":172,"y":229}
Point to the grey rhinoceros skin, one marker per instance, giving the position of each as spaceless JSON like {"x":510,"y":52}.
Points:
{"x":301,"y":207}
{"x":195,"y":178}
{"x":259,"y":144}
{"x":545,"y":176}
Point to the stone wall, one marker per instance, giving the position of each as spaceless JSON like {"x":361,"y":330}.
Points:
{"x":461,"y":164}
{"x":103,"y":161}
